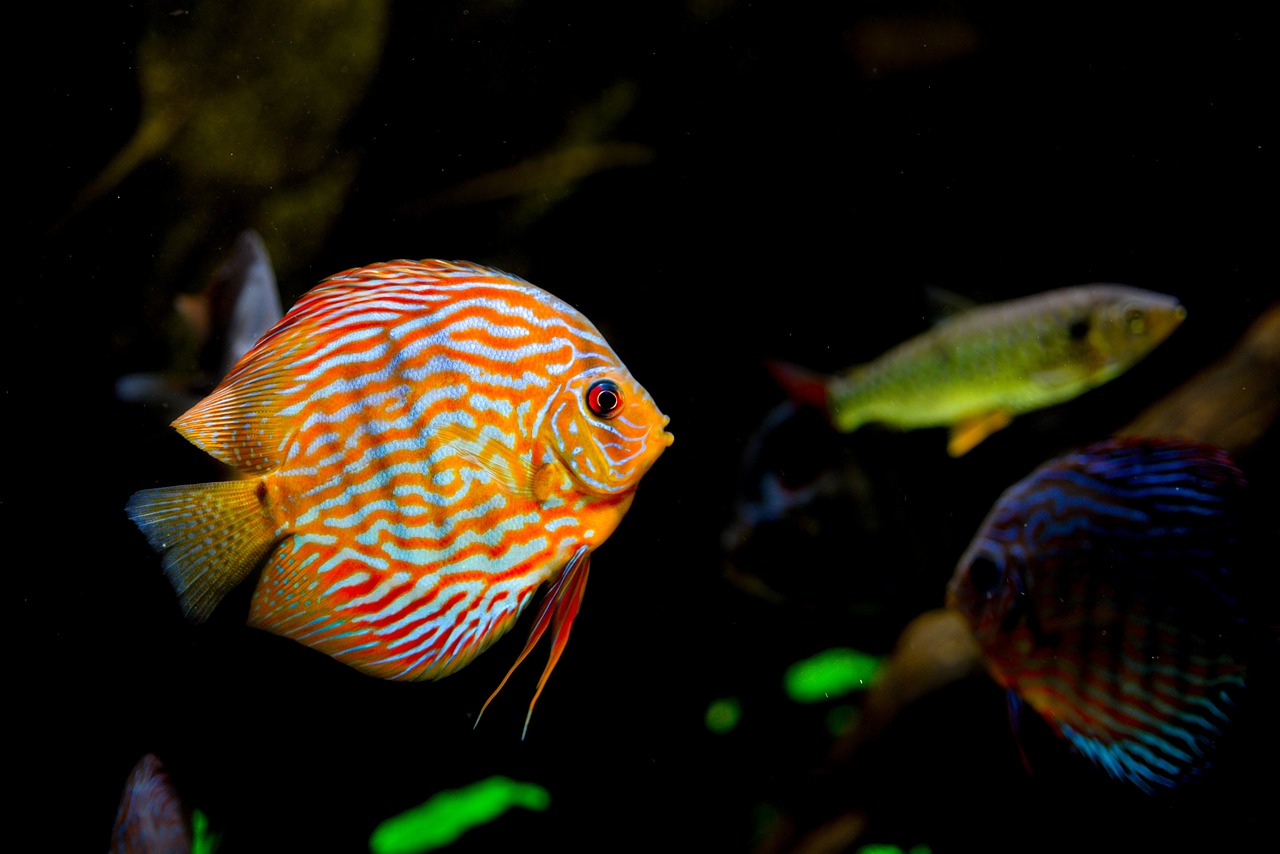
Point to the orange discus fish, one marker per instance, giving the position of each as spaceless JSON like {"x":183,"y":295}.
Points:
{"x":422,"y":445}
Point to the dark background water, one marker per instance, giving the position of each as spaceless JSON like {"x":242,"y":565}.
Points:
{"x":772,"y":180}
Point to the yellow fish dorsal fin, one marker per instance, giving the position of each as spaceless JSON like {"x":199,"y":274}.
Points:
{"x":968,"y":433}
{"x":242,"y":422}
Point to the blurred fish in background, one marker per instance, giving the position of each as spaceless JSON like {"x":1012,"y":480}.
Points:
{"x":215,"y":328}
{"x":800,"y":482}
{"x":937,"y":661}
{"x":1105,"y":591}
{"x":152,"y":818}
{"x":973,"y":372}
{"x":421,"y":446}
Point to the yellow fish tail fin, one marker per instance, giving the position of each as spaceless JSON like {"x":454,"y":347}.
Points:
{"x":211,"y":536}
{"x":803,"y":386}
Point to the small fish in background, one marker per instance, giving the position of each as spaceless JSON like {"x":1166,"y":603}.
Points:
{"x":238,"y":305}
{"x":421,"y":446}
{"x":1104,"y":590}
{"x":788,"y":463}
{"x":152,"y":819}
{"x":975,"y":371}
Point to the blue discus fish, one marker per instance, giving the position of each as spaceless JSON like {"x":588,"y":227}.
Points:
{"x":1104,"y":590}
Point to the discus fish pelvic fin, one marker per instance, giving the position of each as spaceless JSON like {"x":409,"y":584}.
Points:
{"x":559,"y":606}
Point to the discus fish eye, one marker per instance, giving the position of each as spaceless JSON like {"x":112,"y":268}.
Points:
{"x":1136,"y":320}
{"x":604,"y":398}
{"x":983,"y":574}
{"x":1079,"y":329}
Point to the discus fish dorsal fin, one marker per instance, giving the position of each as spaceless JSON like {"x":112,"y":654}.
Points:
{"x":240,"y":423}
{"x":559,"y":607}
{"x":211,"y":535}
{"x":967,"y":434}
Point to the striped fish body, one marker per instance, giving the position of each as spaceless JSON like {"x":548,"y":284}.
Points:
{"x":976,"y":370}
{"x":1103,"y":591}
{"x":422,"y":444}
{"x":151,"y":818}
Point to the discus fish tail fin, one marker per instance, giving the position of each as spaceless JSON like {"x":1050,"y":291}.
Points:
{"x":559,"y":607}
{"x":211,"y":536}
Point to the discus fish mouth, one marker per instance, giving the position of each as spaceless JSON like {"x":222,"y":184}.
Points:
{"x":663,"y":436}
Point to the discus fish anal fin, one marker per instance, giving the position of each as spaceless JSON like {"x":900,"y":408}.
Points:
{"x":559,"y":607}
{"x":969,"y":433}
{"x":211,"y":536}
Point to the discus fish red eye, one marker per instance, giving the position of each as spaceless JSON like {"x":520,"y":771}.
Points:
{"x":604,"y":398}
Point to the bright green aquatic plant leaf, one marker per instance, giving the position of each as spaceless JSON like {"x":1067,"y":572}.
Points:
{"x":831,"y":673}
{"x":447,"y":815}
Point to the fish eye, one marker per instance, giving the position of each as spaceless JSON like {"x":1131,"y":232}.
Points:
{"x":1079,"y":329}
{"x":983,"y":574}
{"x":1136,"y":321}
{"x":604,"y":398}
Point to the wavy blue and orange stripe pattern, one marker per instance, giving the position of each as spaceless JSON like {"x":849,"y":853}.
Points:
{"x":422,"y":444}
{"x":1105,"y":591}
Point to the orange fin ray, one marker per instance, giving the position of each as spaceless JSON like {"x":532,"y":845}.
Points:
{"x":559,"y":607}
{"x":241,"y":424}
{"x":211,"y":536}
{"x":968,"y":433}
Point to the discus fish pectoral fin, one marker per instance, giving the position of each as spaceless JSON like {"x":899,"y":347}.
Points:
{"x":559,"y":607}
{"x":969,"y":433}
{"x":505,"y":468}
{"x":546,"y":480}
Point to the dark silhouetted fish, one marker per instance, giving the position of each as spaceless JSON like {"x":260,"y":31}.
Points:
{"x":238,"y":305}
{"x":151,"y":818}
{"x":1104,"y":590}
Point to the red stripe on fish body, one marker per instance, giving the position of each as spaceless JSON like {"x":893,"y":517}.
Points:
{"x":424,"y":438}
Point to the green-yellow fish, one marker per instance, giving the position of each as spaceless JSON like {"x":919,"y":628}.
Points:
{"x":976,"y":370}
